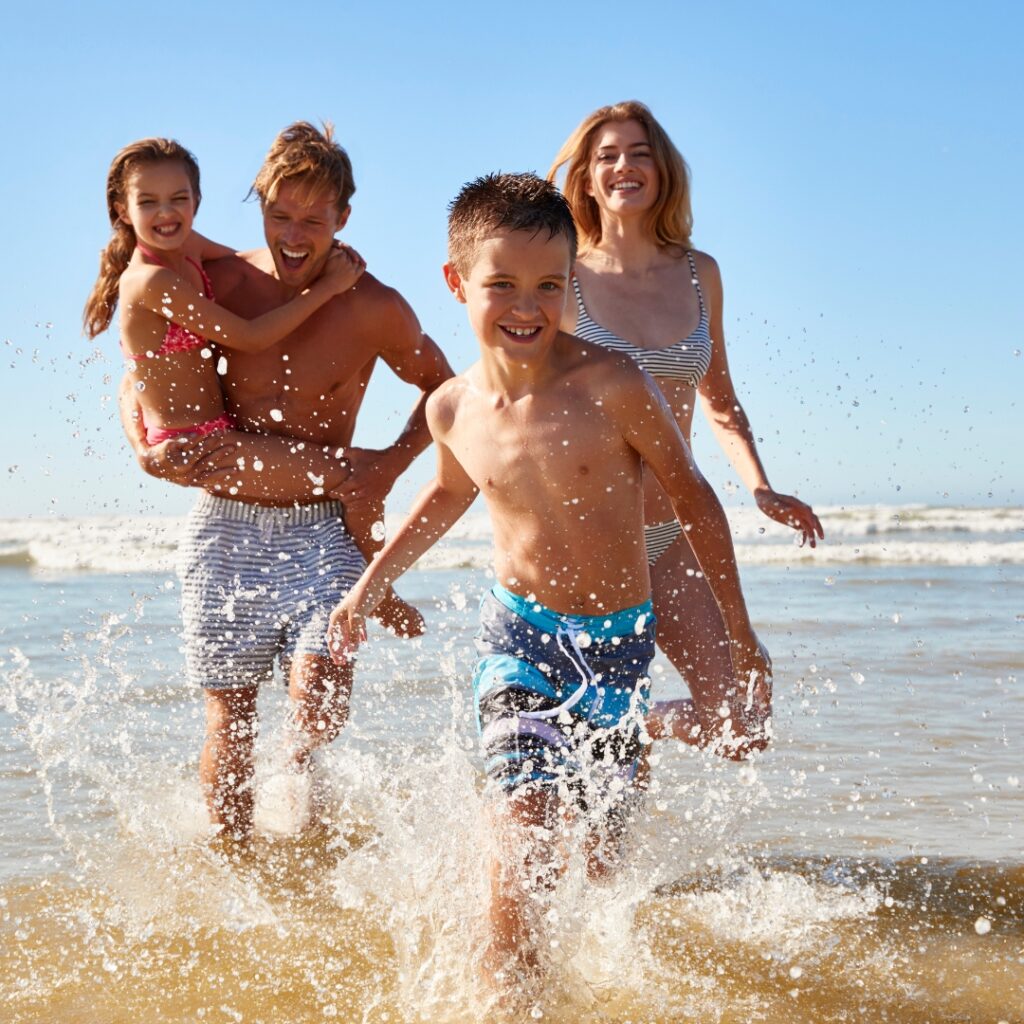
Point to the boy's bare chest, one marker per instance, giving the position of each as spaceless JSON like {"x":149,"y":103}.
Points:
{"x":517,"y":457}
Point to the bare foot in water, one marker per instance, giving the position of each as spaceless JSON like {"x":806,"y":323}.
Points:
{"x":399,"y":616}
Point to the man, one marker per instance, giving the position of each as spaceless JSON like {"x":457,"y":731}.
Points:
{"x":259,"y":581}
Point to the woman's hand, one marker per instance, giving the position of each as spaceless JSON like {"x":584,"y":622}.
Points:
{"x":792,"y":512}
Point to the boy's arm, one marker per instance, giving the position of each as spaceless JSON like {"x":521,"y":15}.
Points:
{"x":651,"y":430}
{"x":436,"y":510}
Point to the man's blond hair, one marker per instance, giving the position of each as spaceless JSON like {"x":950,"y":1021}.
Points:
{"x":304,"y":153}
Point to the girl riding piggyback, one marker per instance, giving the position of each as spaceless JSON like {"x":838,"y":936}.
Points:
{"x":153,"y":267}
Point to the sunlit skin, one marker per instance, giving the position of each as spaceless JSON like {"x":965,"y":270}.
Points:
{"x":643,"y":292}
{"x":302,"y":393}
{"x":554,"y":433}
{"x":162,"y":284}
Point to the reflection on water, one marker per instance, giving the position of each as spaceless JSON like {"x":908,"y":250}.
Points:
{"x":867,"y":869}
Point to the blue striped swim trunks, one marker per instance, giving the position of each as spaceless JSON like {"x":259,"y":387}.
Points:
{"x":258,"y":584}
{"x":561,"y":698}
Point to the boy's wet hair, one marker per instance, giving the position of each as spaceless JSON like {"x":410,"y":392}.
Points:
{"x":302,"y":152}
{"x":114,"y":259}
{"x":509,"y":202}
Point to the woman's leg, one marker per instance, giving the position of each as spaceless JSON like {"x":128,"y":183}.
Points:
{"x":692,"y":635}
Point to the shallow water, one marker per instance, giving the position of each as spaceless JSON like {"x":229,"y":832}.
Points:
{"x":868,"y":868}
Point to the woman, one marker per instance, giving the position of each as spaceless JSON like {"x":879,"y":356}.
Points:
{"x":640,"y":289}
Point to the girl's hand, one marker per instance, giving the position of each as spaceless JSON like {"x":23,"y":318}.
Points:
{"x":790,"y":511}
{"x":344,"y":267}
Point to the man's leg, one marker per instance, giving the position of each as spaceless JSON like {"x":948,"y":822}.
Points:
{"x":320,"y":693}
{"x":226,"y":763}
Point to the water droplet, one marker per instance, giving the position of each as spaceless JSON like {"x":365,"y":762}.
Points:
{"x":830,"y":581}
{"x":140,"y":385}
{"x":796,"y":972}
{"x":896,"y":617}
{"x":377,"y":531}
{"x":983,"y":926}
{"x":222,"y":366}
{"x":257,"y":464}
{"x":276,"y":415}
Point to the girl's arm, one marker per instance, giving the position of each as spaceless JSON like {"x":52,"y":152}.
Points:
{"x":731,"y":427}
{"x":203,"y":249}
{"x":169,"y":295}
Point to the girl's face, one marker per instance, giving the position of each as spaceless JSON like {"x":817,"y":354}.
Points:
{"x":159,"y":204}
{"x":624,"y":178}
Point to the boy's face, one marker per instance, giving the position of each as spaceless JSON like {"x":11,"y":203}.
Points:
{"x":515,"y":291}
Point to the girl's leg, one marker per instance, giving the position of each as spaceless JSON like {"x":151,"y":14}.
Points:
{"x":692,"y":635}
{"x":263,"y":468}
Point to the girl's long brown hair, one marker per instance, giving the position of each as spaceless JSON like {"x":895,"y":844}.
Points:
{"x":670,"y":220}
{"x":102,"y":301}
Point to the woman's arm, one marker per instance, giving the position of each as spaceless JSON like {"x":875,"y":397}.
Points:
{"x":730,"y":425}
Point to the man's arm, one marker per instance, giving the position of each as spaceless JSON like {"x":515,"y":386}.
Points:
{"x":246,"y":467}
{"x":417,"y":360}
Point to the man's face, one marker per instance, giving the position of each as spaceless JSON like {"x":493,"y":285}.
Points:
{"x":515,"y":291}
{"x":299,"y":225}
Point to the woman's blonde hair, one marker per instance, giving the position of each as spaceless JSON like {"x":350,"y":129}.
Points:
{"x":670,"y":219}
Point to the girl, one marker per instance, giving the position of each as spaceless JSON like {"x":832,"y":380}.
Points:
{"x":153,"y":267}
{"x":641,"y":289}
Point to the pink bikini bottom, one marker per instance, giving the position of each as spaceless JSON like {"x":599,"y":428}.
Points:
{"x":155,"y":435}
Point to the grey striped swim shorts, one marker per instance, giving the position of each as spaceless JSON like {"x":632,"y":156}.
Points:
{"x":259,"y":583}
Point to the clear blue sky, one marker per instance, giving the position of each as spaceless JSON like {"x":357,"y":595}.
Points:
{"x":857,"y":173}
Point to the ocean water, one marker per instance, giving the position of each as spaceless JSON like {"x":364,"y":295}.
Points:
{"x":869,"y":867}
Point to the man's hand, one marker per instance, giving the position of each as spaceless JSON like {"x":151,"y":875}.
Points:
{"x":792,"y":512}
{"x":346,"y":630}
{"x":372,"y":474}
{"x":399,"y":617}
{"x":174,"y":460}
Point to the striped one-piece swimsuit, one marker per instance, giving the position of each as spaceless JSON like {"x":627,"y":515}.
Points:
{"x":686,"y":361}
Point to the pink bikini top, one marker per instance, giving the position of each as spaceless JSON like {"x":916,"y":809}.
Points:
{"x":178,"y":338}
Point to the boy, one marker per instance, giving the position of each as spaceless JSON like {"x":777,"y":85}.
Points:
{"x":554,"y":432}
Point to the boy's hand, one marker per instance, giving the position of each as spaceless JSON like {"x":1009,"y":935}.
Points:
{"x":750,"y":660}
{"x":344,"y":267}
{"x":753,"y":670}
{"x":346,"y":631}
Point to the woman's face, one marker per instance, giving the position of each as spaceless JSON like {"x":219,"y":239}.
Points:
{"x":624,"y":178}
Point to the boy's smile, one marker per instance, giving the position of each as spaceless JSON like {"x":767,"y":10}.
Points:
{"x":515,"y":290}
